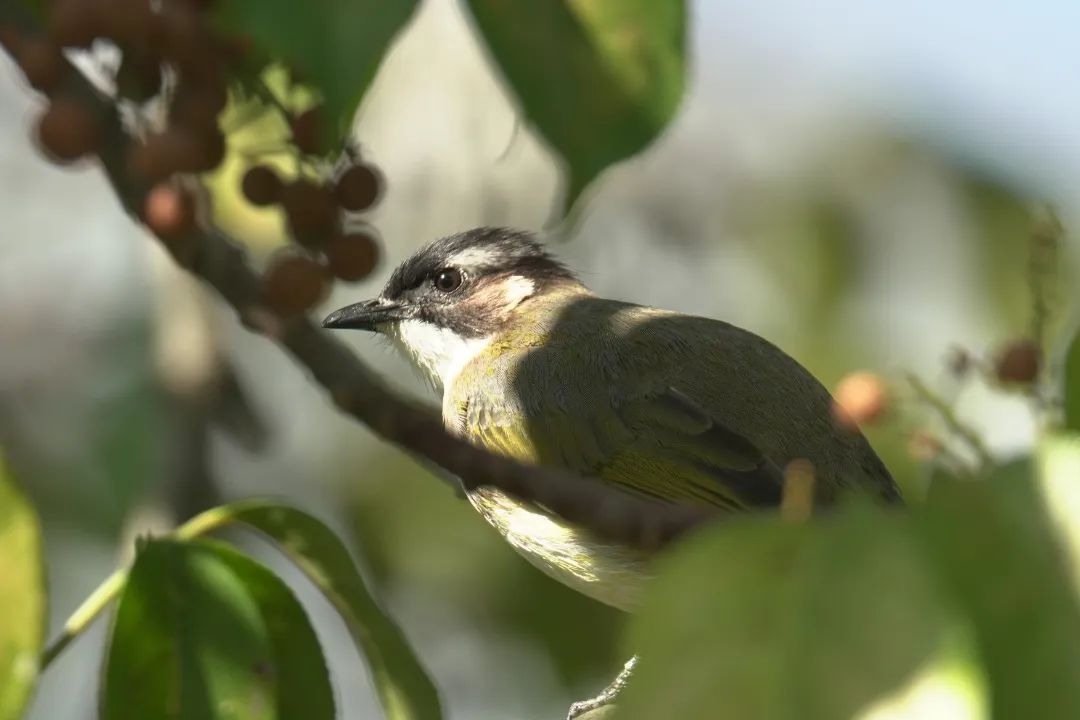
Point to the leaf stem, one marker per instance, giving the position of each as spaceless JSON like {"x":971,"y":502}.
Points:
{"x":108,"y":590}
{"x":85,"y":615}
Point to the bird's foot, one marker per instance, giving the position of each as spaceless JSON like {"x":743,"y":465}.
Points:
{"x":607,"y":696}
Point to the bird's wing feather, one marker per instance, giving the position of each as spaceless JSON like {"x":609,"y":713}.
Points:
{"x":659,"y":444}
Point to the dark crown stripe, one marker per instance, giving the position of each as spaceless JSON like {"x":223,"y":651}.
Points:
{"x":512,"y":251}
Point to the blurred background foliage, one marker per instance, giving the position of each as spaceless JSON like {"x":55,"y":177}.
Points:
{"x":837,"y":179}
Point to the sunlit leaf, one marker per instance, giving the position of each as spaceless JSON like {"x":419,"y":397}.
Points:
{"x":403,"y":686}
{"x":764,"y":619}
{"x":994,"y":545}
{"x":335,"y":46}
{"x":204,"y":632}
{"x":600,"y":79}
{"x":1058,"y":462}
{"x":22,"y":598}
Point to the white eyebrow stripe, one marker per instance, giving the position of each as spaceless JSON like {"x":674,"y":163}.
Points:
{"x":472,"y":256}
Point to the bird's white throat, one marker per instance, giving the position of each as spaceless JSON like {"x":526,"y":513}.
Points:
{"x":438,"y":352}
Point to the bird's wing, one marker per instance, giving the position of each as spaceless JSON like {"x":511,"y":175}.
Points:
{"x":661,"y":444}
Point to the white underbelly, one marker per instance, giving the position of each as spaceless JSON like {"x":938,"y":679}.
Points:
{"x":612,"y":574}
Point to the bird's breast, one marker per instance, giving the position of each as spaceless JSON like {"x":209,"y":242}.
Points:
{"x":612,"y":574}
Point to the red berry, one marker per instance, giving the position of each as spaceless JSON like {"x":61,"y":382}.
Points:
{"x":861,"y":398}
{"x":169,"y":211}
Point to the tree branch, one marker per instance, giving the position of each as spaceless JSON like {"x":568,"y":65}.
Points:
{"x":219,"y":261}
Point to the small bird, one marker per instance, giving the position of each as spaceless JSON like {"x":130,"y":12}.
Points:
{"x":534,"y":366}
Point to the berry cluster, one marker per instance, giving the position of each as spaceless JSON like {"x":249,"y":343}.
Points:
{"x":1016,"y":363}
{"x":170,"y":52}
{"x":297,"y":280}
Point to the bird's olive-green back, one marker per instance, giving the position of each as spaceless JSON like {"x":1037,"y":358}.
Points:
{"x":662,"y":404}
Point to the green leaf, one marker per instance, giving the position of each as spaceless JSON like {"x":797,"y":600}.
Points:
{"x":335,"y":46}
{"x":1072,"y":386}
{"x":994,"y":546}
{"x":22,"y":598}
{"x":600,"y":79}
{"x":757,"y":618}
{"x":403,"y":686}
{"x":204,"y":632}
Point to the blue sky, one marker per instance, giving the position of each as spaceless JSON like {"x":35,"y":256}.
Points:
{"x":996,"y":81}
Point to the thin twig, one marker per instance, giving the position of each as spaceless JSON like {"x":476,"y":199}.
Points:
{"x":952,"y":422}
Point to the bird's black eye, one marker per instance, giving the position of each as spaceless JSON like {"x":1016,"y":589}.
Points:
{"x":447,"y":280}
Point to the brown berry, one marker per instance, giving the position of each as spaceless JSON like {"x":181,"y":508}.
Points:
{"x":198,"y":101}
{"x":183,"y":38}
{"x":1018,"y":362}
{"x":138,"y":77}
{"x":128,"y":22}
{"x":169,"y":211}
{"x":68,"y":130}
{"x":261,"y":186}
{"x":305,"y":130}
{"x":74,"y":23}
{"x":210,"y":150}
{"x":178,"y":149}
{"x":293,"y":284}
{"x":235,"y":49}
{"x":198,"y":5}
{"x":162,"y":154}
{"x":352,"y":256}
{"x":358,"y":188}
{"x":310,"y":210}
{"x":150,"y":159}
{"x":42,"y":62}
{"x":861,"y":398}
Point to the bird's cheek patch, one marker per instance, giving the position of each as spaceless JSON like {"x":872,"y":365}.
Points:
{"x":502,"y":295}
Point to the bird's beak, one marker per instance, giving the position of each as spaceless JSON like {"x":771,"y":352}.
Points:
{"x":367,"y":315}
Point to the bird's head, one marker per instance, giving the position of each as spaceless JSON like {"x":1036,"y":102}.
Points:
{"x":443,"y":305}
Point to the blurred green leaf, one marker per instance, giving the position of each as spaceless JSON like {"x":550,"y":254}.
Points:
{"x":600,"y":79}
{"x":22,"y":597}
{"x":1072,"y":385}
{"x":204,"y":632}
{"x":403,"y":686}
{"x":335,"y":46}
{"x":758,"y":618}
{"x":994,"y":547}
{"x":1002,"y":221}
